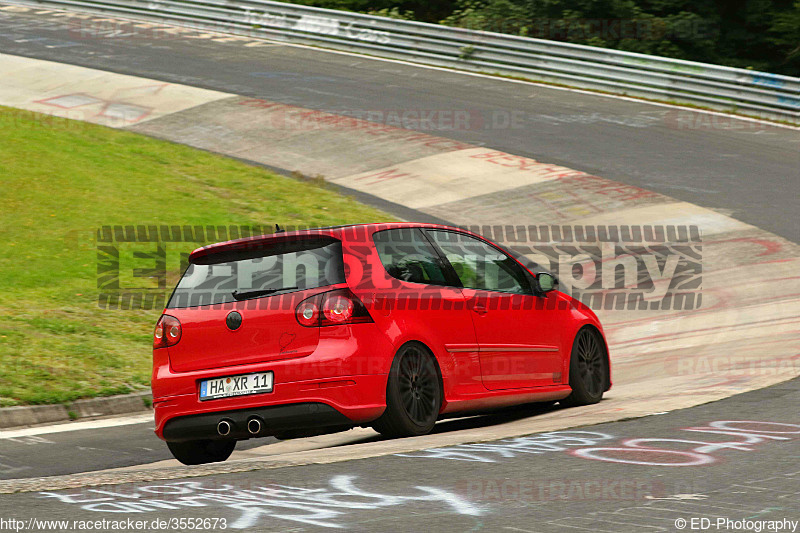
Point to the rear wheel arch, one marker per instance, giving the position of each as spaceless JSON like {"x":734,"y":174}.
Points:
{"x":410,"y":410}
{"x":435,"y":363}
{"x":438,"y":359}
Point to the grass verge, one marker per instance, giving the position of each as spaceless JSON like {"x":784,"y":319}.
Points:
{"x":61,"y":180}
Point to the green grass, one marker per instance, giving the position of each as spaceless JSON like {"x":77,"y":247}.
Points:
{"x":61,"y":180}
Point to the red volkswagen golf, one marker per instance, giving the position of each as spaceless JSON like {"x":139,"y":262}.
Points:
{"x":384,"y":325}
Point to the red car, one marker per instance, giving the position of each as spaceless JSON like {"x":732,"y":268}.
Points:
{"x":384,"y":325}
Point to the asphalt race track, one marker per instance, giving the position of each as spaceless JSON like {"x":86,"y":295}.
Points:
{"x":34,"y":454}
{"x":595,"y":481}
{"x":709,"y":464}
{"x":739,"y":167}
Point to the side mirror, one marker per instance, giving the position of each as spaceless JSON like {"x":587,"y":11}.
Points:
{"x":546,"y":282}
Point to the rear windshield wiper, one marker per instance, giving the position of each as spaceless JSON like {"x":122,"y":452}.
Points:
{"x":239,"y":296}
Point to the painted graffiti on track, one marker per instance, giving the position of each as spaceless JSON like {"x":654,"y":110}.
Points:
{"x":645,"y":451}
{"x":492,"y":452}
{"x":655,"y":451}
{"x":260,"y":504}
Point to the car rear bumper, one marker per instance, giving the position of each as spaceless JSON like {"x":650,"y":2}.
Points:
{"x":271,"y":420}
{"x":340,"y":401}
{"x":345,"y":377}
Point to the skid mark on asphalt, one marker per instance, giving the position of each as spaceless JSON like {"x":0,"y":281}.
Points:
{"x":9,"y":467}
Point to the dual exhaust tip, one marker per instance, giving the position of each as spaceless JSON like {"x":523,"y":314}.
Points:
{"x":254,"y":426}
{"x":224,"y":428}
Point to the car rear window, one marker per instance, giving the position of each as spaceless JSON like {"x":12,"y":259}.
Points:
{"x":235,"y":275}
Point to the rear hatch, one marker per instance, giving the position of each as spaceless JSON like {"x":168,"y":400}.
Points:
{"x":241,"y":279}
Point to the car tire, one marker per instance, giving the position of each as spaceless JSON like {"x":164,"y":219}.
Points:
{"x":413,"y":394}
{"x":588,"y":369}
{"x":199,"y":452}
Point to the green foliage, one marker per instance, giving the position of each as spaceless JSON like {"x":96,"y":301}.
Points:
{"x":466,"y":52}
{"x":423,"y":10}
{"x":392,"y":13}
{"x":757,"y":34}
{"x":784,"y":35}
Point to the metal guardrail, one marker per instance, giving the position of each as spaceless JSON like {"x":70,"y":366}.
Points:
{"x":750,"y":92}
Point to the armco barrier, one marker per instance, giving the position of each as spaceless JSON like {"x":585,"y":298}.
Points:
{"x":725,"y":88}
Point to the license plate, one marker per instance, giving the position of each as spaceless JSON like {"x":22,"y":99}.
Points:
{"x":241,"y":385}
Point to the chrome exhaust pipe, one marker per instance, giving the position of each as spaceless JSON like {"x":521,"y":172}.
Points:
{"x":254,"y":426}
{"x":224,"y":428}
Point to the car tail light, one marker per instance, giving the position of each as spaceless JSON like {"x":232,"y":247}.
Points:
{"x":168,"y":332}
{"x":338,"y":309}
{"x":332,"y":309}
{"x":308,"y":312}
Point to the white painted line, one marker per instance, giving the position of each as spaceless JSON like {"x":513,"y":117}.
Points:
{"x":78,"y":426}
{"x":257,"y":43}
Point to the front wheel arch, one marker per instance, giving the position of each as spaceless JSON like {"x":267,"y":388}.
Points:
{"x":580,"y":394}
{"x":602,"y":337}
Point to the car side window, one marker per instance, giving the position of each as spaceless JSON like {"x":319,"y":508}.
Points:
{"x":408,"y":256}
{"x":479,"y":265}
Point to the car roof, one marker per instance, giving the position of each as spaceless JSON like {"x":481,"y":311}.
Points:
{"x":348,"y":232}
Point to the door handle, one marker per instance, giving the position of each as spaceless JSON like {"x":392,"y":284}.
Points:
{"x":481,"y":310}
